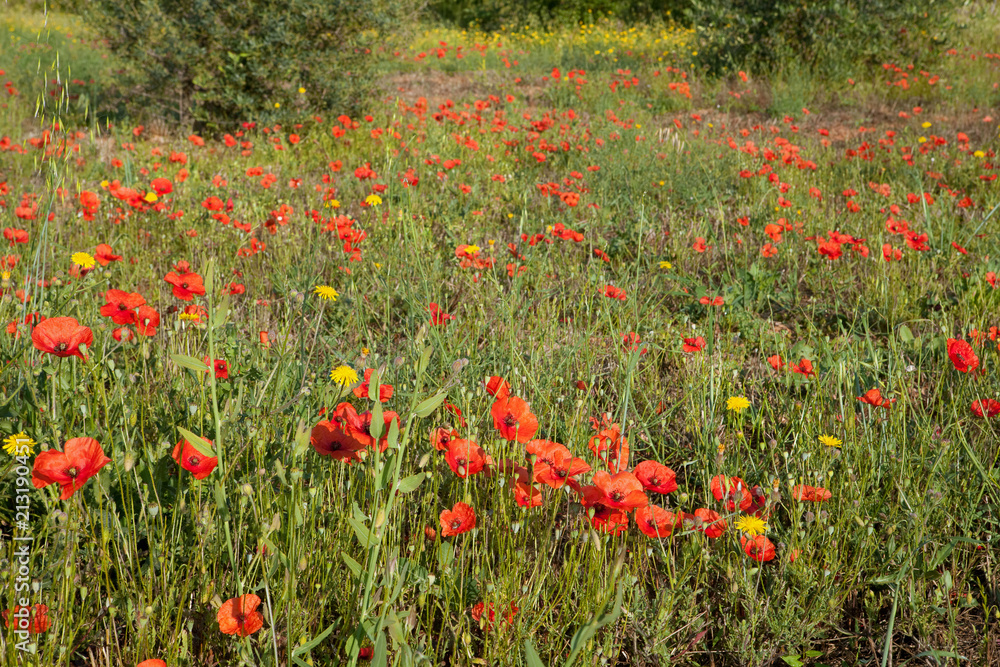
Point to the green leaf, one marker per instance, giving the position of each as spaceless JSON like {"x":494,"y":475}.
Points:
{"x":430,"y":405}
{"x":380,"y":656}
{"x":185,"y":361}
{"x":792,"y":661}
{"x":198,"y":442}
{"x":309,"y":645}
{"x":361,"y":530}
{"x":353,"y":565}
{"x":905,"y":334}
{"x":425,"y":358}
{"x":378,"y":421}
{"x":446,"y":554}
{"x":587,"y":632}
{"x":409,"y":484}
{"x":531,"y":655}
{"x":373,"y":387}
{"x":303,"y":434}
{"x":393,"y":438}
{"x":221,"y":313}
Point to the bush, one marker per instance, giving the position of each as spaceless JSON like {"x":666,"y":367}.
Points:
{"x":218,"y":63}
{"x":824,"y":36}
{"x":492,"y":14}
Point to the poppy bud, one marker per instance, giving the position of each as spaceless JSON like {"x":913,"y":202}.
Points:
{"x":430,"y":533}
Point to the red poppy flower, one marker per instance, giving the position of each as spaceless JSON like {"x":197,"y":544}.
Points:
{"x":655,"y":521}
{"x":62,"y":336}
{"x":613,"y":292}
{"x":611,"y":447}
{"x":237,"y":616}
{"x":186,"y":285}
{"x":480,"y":609}
{"x":15,"y":235}
{"x":152,"y":662}
{"x":384,"y":390}
{"x":620,"y":491}
{"x":712,"y":301}
{"x":359,"y":426}
{"x":497,"y":387}
{"x":694,"y":344}
{"x":557,"y":466}
{"x":89,"y":202}
{"x":804,"y":367}
{"x":221,"y":367}
{"x":123,"y":334}
{"x":121,"y":306}
{"x":147,"y":319}
{"x":465,"y":457}
{"x":733,"y":490}
{"x":331,"y":439}
{"x":712,"y":523}
{"x":513,"y":419}
{"x":526,"y":494}
{"x":776,"y":362}
{"x":459,"y":519}
{"x":874,"y":398}
{"x":33,"y":620}
{"x":986,"y":408}
{"x":162,"y":186}
{"x":962,"y":355}
{"x":758,"y":548}
{"x":438,"y":316}
{"x":607,"y":520}
{"x":816,"y":494}
{"x":656,"y":477}
{"x":631,"y":342}
{"x":80,"y":460}
{"x":440,"y":437}
{"x":105,"y":255}
{"x":193,"y":461}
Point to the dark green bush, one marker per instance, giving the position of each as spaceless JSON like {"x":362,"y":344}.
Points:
{"x":218,"y":63}
{"x":492,"y":14}
{"x":822,"y":36}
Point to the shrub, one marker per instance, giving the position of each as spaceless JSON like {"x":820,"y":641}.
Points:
{"x":221,"y":62}
{"x":492,"y":14}
{"x":824,"y":36}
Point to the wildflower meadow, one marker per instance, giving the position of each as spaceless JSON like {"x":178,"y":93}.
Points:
{"x":591,"y":339}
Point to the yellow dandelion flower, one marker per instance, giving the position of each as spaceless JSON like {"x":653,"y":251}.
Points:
{"x":151,"y":197}
{"x":19,"y":444}
{"x":925,"y":125}
{"x":666,"y":265}
{"x":83,"y":260}
{"x":830,"y":441}
{"x":979,"y":154}
{"x":373,"y":200}
{"x":751,"y":525}
{"x":472,"y":249}
{"x":302,"y":90}
{"x":326,"y":292}
{"x":344,"y":375}
{"x":737,"y":404}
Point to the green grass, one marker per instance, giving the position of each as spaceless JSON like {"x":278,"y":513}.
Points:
{"x":898,"y":564}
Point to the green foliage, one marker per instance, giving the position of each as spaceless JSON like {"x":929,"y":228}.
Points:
{"x":824,"y":36}
{"x":491,"y":14}
{"x":220,"y":63}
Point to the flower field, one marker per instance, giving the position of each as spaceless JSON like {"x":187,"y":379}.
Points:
{"x":558,"y":352}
